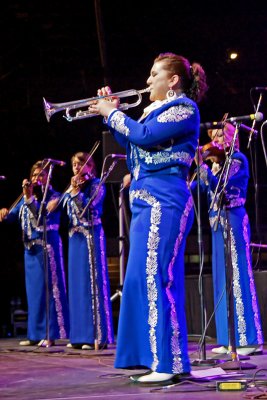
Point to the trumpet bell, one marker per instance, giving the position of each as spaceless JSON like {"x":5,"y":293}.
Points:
{"x":52,"y":108}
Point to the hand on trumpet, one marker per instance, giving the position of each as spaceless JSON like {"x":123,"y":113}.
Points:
{"x":104,"y":106}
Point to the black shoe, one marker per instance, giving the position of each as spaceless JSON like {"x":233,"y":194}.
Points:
{"x":74,"y":345}
{"x":101,"y":346}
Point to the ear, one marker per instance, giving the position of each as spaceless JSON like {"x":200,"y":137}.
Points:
{"x":174,"y":79}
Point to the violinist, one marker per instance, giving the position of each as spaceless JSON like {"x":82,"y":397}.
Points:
{"x":91,"y":323}
{"x":247,"y":324}
{"x":36,"y":271}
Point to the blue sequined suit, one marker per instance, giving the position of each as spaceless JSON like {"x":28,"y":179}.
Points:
{"x":36,"y":273}
{"x":89,"y":286}
{"x":160,"y":148}
{"x":247,"y":322}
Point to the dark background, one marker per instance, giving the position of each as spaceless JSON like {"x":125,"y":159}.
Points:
{"x":64,"y":51}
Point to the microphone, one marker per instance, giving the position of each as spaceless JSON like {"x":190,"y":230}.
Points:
{"x":258,"y":116}
{"x":260,"y":88}
{"x":55,"y":162}
{"x":119,"y":156}
{"x":2,"y":177}
{"x":212,"y":125}
{"x":218,"y":125}
{"x":249,"y":130}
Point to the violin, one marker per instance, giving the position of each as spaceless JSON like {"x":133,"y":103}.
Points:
{"x":213,"y":150}
{"x":80,"y":179}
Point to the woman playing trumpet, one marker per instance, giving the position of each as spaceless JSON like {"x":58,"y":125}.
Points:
{"x":26,"y":212}
{"x":160,"y":149}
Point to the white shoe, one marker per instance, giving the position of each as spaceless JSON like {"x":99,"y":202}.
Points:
{"x":46,"y":343}
{"x":155,"y":377}
{"x":220,"y":350}
{"x":75,"y":346}
{"x":27,"y":343}
{"x":246,"y":351}
{"x":87,"y":347}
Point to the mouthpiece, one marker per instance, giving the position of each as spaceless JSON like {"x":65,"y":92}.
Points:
{"x":146,"y":90}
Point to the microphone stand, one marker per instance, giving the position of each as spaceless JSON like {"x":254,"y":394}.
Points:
{"x":202,"y":361}
{"x":254,"y":121}
{"x":234,"y":363}
{"x":42,"y":213}
{"x":90,"y":219}
{"x":255,"y":171}
{"x":118,"y":292}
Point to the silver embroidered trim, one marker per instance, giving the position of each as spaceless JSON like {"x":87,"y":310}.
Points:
{"x":236,"y":202}
{"x":117,"y":122}
{"x":234,"y":168}
{"x":252,"y":283}
{"x":54,"y":280}
{"x":151,"y":267}
{"x":237,"y":292}
{"x":56,"y":292}
{"x":94,"y":290}
{"x":53,"y":227}
{"x":161,"y":157}
{"x":28,"y":245}
{"x":175,"y":346}
{"x":105,"y":287}
{"x":176,"y":113}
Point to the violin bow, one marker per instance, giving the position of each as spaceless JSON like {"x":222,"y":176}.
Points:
{"x":92,"y":151}
{"x":224,"y":118}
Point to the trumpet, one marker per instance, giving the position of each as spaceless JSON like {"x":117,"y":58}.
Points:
{"x":52,"y":108}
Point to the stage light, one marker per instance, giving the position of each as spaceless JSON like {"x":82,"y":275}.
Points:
{"x":233,"y":56}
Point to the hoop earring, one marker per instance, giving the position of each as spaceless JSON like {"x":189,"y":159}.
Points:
{"x":170,"y":95}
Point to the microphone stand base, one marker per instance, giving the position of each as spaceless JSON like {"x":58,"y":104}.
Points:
{"x":228,"y":358}
{"x":237,"y":365}
{"x":205,"y":363}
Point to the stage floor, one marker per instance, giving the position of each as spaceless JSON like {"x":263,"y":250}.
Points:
{"x":28,"y":373}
